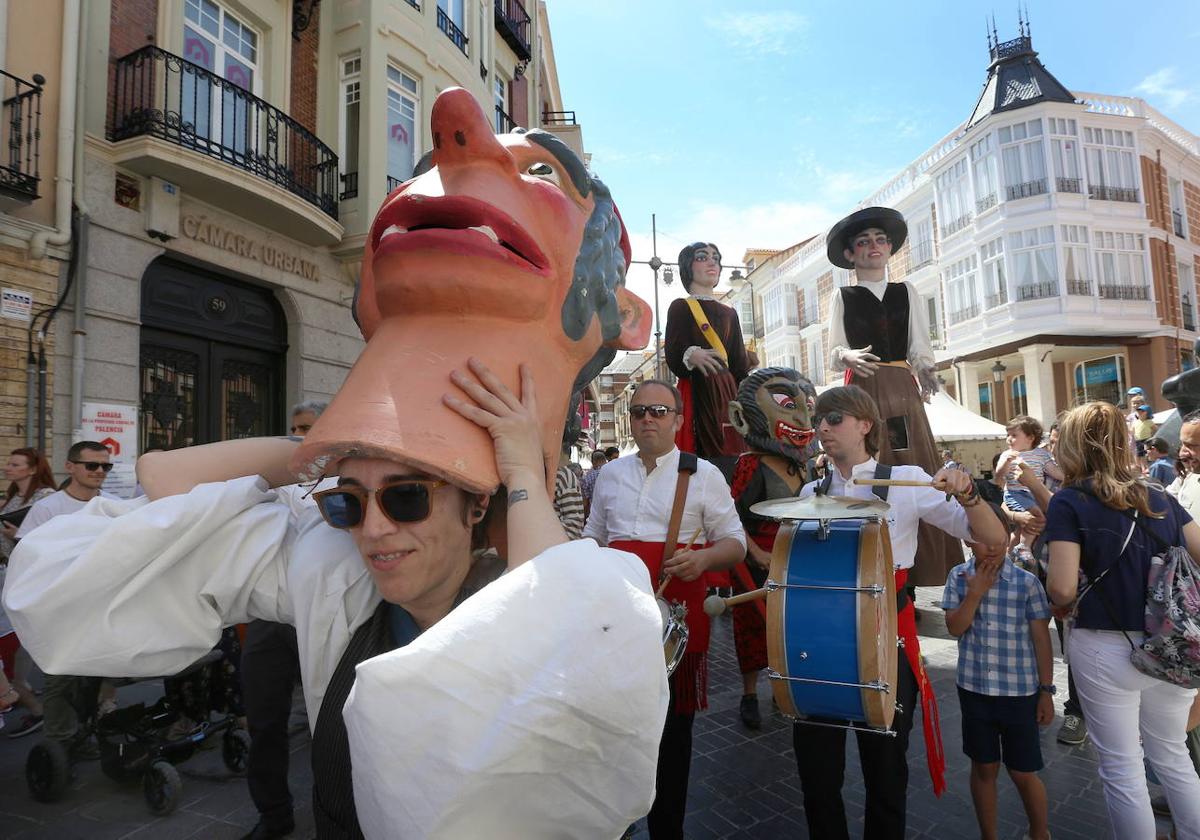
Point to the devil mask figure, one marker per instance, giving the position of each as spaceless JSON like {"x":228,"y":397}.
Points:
{"x":773,"y":412}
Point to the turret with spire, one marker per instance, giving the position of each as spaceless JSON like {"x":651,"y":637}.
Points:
{"x":1016,"y":77}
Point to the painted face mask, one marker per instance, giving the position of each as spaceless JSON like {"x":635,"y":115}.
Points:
{"x":500,"y":247}
{"x":773,"y":412}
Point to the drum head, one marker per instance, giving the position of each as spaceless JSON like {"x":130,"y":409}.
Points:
{"x":821,"y":507}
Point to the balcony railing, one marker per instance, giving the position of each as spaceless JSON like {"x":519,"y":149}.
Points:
{"x":504,"y":123}
{"x":21,"y":133}
{"x":994,"y":300}
{"x":1177,"y":222}
{"x":1026,"y":190}
{"x":1189,"y":315}
{"x":158,"y":94}
{"x":958,"y":316}
{"x":919,"y":254}
{"x":1069,"y":185}
{"x":392,"y":183}
{"x":349,"y":185}
{"x":451,"y":31}
{"x":512,"y":22}
{"x":1083,"y":288}
{"x":1121,"y":292}
{"x":986,"y":203}
{"x":955,"y":226}
{"x":558,"y":118}
{"x":1037,"y":291}
{"x":1103,"y":193}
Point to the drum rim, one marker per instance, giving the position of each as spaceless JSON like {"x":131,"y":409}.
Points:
{"x":874,"y":636}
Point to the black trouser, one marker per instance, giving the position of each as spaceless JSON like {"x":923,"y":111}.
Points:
{"x":665,"y":820}
{"x":270,"y":670}
{"x":1071,"y":707}
{"x":821,"y":761}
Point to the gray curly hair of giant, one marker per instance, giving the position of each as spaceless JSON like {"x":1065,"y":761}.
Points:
{"x":759,"y":437}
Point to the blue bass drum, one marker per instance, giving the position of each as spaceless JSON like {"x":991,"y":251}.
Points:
{"x":831,"y":622}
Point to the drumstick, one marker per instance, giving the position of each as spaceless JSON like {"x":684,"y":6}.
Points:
{"x":893,"y":482}
{"x":690,"y":543}
{"x":715,"y":605}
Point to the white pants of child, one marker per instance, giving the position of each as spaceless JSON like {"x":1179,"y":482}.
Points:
{"x":1120,"y":703}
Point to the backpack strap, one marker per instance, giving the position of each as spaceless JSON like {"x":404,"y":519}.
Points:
{"x":687,"y":467}
{"x":882,"y":471}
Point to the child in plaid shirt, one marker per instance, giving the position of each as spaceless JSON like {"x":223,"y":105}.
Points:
{"x":1001,"y":617}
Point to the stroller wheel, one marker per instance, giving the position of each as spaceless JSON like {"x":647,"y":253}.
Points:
{"x":161,"y":786}
{"x":235,"y":749}
{"x":47,"y":771}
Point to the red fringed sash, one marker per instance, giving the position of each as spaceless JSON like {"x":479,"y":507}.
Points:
{"x":935,"y":755}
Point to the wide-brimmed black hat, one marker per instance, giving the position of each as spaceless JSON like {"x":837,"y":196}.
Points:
{"x":884,"y":218}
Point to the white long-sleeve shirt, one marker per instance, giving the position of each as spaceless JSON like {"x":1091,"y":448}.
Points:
{"x":550,"y":679}
{"x":629,"y":504}
{"x":920,"y":355}
{"x":909,"y":507}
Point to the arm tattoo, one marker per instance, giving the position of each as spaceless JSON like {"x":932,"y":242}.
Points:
{"x":517,"y":496}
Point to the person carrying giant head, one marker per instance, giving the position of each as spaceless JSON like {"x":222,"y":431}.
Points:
{"x":704,"y":348}
{"x":446,"y":701}
{"x":879,"y":335}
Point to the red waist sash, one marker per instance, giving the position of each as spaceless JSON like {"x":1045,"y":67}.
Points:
{"x":906,"y":624}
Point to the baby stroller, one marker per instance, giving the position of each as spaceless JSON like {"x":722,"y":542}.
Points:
{"x":138,"y":742}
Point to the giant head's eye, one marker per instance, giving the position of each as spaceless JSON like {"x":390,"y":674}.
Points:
{"x":545,"y":171}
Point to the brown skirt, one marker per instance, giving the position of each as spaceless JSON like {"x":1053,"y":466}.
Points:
{"x":907,"y":440}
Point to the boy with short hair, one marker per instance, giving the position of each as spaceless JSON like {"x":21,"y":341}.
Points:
{"x":1001,"y":617}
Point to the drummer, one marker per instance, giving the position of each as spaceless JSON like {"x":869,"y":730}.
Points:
{"x":631,"y":510}
{"x":849,"y":428}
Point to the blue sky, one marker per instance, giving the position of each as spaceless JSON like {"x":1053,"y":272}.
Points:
{"x":760,"y":123}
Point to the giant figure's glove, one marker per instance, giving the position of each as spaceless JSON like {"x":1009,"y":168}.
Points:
{"x":927,"y":380}
{"x":861,"y":362}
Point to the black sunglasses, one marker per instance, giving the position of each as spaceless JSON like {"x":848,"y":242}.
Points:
{"x":92,"y":466}
{"x":831,"y":418}
{"x":637,"y":412}
{"x":404,"y":500}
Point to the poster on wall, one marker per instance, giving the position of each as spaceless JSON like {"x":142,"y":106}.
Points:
{"x":115,"y":426}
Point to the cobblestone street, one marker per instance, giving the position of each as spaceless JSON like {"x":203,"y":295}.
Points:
{"x":744,"y":783}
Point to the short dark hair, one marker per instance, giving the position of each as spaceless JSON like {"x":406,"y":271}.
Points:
{"x":852,"y":400}
{"x":664,"y":384}
{"x":1191,"y":417}
{"x":1159,"y":445}
{"x":78,"y":449}
{"x":599,"y":455}
{"x":612,"y":452}
{"x":1028,"y":425}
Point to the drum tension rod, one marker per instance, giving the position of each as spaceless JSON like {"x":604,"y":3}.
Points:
{"x":875,"y":590}
{"x":874,"y":685}
{"x":865,"y":729}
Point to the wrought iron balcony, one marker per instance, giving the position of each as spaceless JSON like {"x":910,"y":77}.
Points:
{"x":1076,"y":286}
{"x":504,"y":123}
{"x":1103,"y":193}
{"x":1026,"y":190}
{"x":558,"y":118}
{"x":393,"y":183}
{"x":994,"y":300}
{"x":1177,"y":222}
{"x":955,"y":226}
{"x":349,"y":185}
{"x":158,"y":94}
{"x":1189,"y":314}
{"x":960,"y":315}
{"x":513,"y":24}
{"x":1037,"y":291}
{"x":1068,"y":185}
{"x":451,"y":30}
{"x":986,"y":203}
{"x":1118,"y":291}
{"x":20,"y":133}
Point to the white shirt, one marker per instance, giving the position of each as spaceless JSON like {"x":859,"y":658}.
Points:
{"x":1188,"y":494}
{"x":53,"y":505}
{"x":628,"y":504}
{"x":909,"y":507}
{"x":441,"y":733}
{"x":919,"y":353}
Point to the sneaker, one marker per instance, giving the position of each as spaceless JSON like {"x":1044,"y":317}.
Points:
{"x":28,"y":725}
{"x":1159,"y":805}
{"x":1073,"y":731}
{"x":749,"y":712}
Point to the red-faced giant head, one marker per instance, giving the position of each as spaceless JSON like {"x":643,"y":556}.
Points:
{"x":500,"y":247}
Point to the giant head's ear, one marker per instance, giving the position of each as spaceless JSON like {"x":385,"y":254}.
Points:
{"x":849,"y":255}
{"x":364,"y":309}
{"x":636,"y":320}
{"x":738,"y":418}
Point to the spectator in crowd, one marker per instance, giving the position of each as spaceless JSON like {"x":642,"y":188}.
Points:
{"x":612,"y":453}
{"x":568,"y":499}
{"x":1162,"y":465}
{"x":1024,"y":447}
{"x":1144,"y":428}
{"x":1098,"y":524}
{"x":991,"y":604}
{"x":87,"y":466}
{"x":588,"y":482}
{"x":270,"y":671}
{"x":948,"y":460}
{"x":30,"y":480}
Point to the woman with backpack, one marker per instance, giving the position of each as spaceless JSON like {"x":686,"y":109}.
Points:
{"x":1108,"y":532}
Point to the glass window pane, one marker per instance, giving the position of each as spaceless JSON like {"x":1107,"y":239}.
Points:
{"x":198,"y":49}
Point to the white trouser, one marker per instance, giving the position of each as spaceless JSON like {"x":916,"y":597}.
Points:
{"x":1119,"y":703}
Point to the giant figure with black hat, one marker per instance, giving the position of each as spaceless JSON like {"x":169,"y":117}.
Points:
{"x":879,"y":335}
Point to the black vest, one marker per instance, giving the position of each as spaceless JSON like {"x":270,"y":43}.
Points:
{"x":883,"y":324}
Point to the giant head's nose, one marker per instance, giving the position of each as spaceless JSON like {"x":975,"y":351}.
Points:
{"x":462,"y":133}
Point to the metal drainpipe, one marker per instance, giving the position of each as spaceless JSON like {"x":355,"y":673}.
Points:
{"x":69,"y":82}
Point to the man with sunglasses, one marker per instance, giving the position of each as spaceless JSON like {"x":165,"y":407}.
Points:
{"x":87,"y":466}
{"x":631,"y":510}
{"x":850,"y":429}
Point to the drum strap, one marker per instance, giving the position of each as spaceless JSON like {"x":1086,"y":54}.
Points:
{"x":687,"y":466}
{"x":882,"y":471}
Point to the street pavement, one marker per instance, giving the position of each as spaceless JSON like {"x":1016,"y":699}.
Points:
{"x":743,"y":783}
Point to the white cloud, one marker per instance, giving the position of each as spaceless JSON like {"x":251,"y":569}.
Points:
{"x":759,"y":33}
{"x":1161,"y":86}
